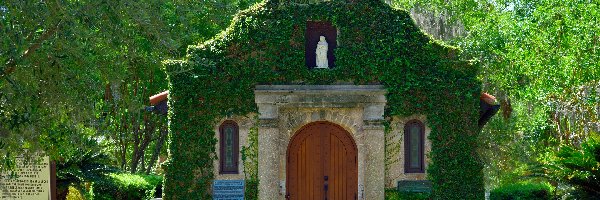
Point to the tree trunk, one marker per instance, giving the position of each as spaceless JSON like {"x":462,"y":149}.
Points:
{"x":142,"y":162}
{"x":159,"y":143}
{"x":136,"y":149}
{"x":123,"y":143}
{"x":143,"y":139}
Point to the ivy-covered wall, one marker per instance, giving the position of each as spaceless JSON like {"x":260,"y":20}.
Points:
{"x":377,"y":45}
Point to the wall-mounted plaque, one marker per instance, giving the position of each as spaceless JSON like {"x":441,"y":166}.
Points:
{"x":228,"y":190}
{"x":30,"y":181}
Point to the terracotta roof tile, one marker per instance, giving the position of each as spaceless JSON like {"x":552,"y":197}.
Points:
{"x":157,"y":98}
{"x":487,"y":98}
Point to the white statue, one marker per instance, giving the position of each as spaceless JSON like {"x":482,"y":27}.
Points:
{"x":321,"y":52}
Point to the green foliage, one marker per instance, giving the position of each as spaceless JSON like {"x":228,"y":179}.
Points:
{"x":250,"y":159}
{"x":576,"y":166}
{"x":522,"y":191}
{"x":101,"y":181}
{"x":91,"y":172}
{"x":393,"y":194}
{"x":71,"y":71}
{"x":127,"y":186}
{"x":392,"y":149}
{"x":74,"y":194}
{"x":251,"y":192}
{"x":81,"y":169}
{"x":540,"y":59}
{"x":378,"y":44}
{"x":510,"y":146}
{"x":509,"y":37}
{"x":89,"y":167}
{"x":76,"y":72}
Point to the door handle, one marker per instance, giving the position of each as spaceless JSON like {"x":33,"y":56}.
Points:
{"x":287,"y":196}
{"x":326,"y":187}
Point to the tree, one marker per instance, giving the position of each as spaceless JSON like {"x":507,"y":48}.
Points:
{"x":78,"y":70}
{"x":539,"y":57}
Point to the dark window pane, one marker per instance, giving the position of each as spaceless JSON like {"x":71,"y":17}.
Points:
{"x":229,"y":147}
{"x":415,"y":146}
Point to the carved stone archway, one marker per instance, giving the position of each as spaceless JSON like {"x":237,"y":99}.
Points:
{"x":284,"y":109}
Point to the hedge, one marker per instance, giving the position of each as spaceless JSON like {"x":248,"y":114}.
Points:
{"x":125,"y":186}
{"x":522,"y":191}
{"x":393,"y":194}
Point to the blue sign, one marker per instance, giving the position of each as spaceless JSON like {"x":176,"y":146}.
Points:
{"x":228,"y":190}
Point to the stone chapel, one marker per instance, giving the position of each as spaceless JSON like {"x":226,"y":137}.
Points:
{"x":347,"y":98}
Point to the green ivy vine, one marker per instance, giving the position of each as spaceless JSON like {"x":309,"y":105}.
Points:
{"x":250,"y":160}
{"x":377,"y":45}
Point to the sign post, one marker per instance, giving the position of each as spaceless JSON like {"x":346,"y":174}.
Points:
{"x":30,"y":180}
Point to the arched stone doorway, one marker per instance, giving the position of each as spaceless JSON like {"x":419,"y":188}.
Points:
{"x":286,"y":110}
{"x":322,"y":163}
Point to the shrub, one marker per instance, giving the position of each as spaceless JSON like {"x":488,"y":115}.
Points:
{"x":393,"y":194}
{"x":522,"y":191}
{"x":127,"y":186}
{"x":576,"y":166}
{"x":74,"y":194}
{"x":80,"y":170}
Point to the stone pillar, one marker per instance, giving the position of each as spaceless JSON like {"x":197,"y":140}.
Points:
{"x":268,"y":154}
{"x":374,"y":159}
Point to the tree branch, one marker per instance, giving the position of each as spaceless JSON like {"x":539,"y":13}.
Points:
{"x":11,"y":65}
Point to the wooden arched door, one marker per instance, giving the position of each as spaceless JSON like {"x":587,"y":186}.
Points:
{"x":322,"y":164}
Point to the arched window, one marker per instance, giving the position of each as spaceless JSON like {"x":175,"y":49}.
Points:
{"x":414,"y":142}
{"x":229,"y":147}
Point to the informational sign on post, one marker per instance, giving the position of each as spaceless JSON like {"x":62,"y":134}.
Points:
{"x":29,"y":181}
{"x":228,"y":190}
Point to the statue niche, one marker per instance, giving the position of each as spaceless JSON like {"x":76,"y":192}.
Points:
{"x":320,"y":43}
